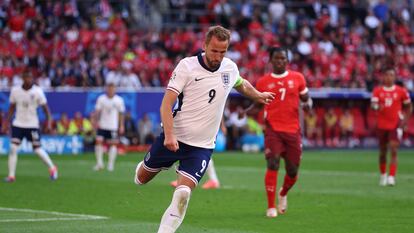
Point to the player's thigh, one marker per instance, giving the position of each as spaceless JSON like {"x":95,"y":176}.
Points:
{"x":383,"y":138}
{"x":393,"y":138}
{"x":17,"y":135}
{"x":274,"y":145}
{"x":33,"y":135}
{"x":159,"y":157}
{"x":293,"y":144}
{"x":100,"y":135}
{"x":113,"y":137}
{"x":194,"y":162}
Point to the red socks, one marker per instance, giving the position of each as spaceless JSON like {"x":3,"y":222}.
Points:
{"x":393,"y":169}
{"x":383,"y":168}
{"x":270,"y":184}
{"x":287,"y":184}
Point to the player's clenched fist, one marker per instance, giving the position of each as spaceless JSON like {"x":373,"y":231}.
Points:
{"x":171,"y":143}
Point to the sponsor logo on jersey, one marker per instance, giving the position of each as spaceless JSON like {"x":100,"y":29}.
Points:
{"x":199,"y":79}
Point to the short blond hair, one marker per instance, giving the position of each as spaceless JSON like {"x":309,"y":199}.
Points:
{"x":221,"y":33}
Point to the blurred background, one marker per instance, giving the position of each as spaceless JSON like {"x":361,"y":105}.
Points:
{"x":74,"y":47}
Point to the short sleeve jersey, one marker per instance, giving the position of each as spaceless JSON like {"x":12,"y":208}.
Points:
{"x":283,"y":112}
{"x":27,"y":102}
{"x":202,"y":94}
{"x":109,"y":109}
{"x":390,"y":101}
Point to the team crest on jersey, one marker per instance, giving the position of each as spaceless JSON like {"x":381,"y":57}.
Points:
{"x":225,"y":77}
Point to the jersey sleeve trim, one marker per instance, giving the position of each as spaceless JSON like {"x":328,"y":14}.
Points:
{"x":239,"y":81}
{"x":374,"y":99}
{"x":306,"y":90}
{"x":407,"y":101}
{"x":173,"y":89}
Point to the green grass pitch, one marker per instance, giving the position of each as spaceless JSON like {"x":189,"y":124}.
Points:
{"x":337,"y":192}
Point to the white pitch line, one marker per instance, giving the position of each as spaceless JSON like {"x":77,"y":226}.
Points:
{"x":70,"y":216}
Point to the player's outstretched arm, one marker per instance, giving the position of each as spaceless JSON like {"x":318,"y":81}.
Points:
{"x":167,"y":120}
{"x":246,"y":89}
{"x":406,"y":113}
{"x":121,"y":123}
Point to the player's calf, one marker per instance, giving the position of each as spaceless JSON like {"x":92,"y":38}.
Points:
{"x":175,"y":213}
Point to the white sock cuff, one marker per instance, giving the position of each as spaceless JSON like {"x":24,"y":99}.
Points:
{"x":136,"y":180}
{"x":183,"y":188}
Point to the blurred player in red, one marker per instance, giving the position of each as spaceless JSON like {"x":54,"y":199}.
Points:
{"x":282,"y":133}
{"x":393,"y":106}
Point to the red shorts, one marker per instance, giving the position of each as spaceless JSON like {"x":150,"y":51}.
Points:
{"x":287,"y":145}
{"x":385,"y":136}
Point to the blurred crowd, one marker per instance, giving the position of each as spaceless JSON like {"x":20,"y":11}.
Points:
{"x":89,"y":43}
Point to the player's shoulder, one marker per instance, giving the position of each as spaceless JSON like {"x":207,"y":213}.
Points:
{"x":400,"y":88}
{"x":188,"y":62}
{"x":228,"y":62}
{"x":15,"y":89}
{"x":295,"y":74}
{"x":118,"y":98}
{"x":377,"y":89}
{"x":37,"y":88}
{"x":102,"y":97}
{"x":264,"y":77}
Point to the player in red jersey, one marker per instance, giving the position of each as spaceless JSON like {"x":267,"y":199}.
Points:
{"x":393,"y":105}
{"x":282,"y":133}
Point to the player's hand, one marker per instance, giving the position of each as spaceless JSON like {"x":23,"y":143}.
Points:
{"x":171,"y":143}
{"x":121,"y":130}
{"x":48,"y":126}
{"x":265,"y":97}
{"x":224,"y":131}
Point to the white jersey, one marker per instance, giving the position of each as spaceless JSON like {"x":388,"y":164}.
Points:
{"x":202,"y":97}
{"x":27,"y":102}
{"x":109,"y":109}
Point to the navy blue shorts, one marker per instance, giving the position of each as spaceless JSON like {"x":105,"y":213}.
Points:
{"x":31,"y":134}
{"x":193,"y":160}
{"x":109,"y":135}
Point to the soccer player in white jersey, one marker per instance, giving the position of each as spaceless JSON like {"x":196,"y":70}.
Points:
{"x":202,"y":84}
{"x":110,"y":110}
{"x":24,"y":100}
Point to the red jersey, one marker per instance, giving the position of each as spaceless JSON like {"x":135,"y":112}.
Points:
{"x":283,"y":112}
{"x":390,"y":101}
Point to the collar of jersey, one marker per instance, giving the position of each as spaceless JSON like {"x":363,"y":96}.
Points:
{"x":280,"y":75}
{"x":389,"y":88}
{"x":201,"y":61}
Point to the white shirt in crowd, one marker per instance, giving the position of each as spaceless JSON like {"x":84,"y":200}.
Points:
{"x":130,"y":81}
{"x":27,"y":102}
{"x":109,"y":110}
